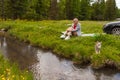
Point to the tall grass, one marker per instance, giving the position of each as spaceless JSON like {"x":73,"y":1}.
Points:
{"x":9,"y":71}
{"x":46,"y":34}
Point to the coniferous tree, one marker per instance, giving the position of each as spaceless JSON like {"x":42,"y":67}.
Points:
{"x":85,"y":10}
{"x":72,"y":8}
{"x":2,"y":9}
{"x":30,"y":12}
{"x":39,"y":9}
{"x":102,"y":9}
{"x":76,"y":8}
{"x":118,"y":13}
{"x":46,"y":7}
{"x":16,"y":8}
{"x":68,"y":6}
{"x":110,"y":10}
{"x":98,"y":10}
{"x":53,"y":11}
{"x":61,"y":9}
{"x":58,"y":9}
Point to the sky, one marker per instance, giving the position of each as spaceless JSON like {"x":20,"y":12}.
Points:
{"x":118,"y":3}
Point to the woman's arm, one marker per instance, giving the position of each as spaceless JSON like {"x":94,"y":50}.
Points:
{"x":77,"y":27}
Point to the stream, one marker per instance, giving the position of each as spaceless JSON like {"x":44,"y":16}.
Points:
{"x":47,"y":66}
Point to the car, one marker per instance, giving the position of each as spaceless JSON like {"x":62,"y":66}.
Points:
{"x":112,"y":28}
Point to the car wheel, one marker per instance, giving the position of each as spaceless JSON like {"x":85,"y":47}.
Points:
{"x":116,"y":31}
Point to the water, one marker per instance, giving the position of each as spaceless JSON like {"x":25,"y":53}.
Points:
{"x":47,"y":66}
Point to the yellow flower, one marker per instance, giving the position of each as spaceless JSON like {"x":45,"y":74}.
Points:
{"x":2,"y":75}
{"x":23,"y":78}
{"x":8,"y":70}
{"x":3,"y":78}
{"x":8,"y":73}
{"x":27,"y":71}
{"x":13,"y":76}
{"x":8,"y":79}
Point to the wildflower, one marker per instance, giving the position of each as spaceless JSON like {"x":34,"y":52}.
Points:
{"x":8,"y":78}
{"x":22,"y":77}
{"x":8,"y":70}
{"x":13,"y":76}
{"x":8,"y":73}
{"x":2,"y":75}
{"x":3,"y":78}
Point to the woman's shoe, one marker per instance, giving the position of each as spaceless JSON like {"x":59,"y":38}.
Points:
{"x":62,"y":36}
{"x":67,"y":38}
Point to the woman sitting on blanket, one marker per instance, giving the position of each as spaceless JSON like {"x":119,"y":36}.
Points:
{"x":75,"y":30}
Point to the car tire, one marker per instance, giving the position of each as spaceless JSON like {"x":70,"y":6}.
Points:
{"x":116,"y":31}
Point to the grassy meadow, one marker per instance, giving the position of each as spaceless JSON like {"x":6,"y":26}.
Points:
{"x":46,"y":34}
{"x":9,"y":71}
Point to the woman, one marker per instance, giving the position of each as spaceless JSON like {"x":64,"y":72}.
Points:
{"x":75,"y":30}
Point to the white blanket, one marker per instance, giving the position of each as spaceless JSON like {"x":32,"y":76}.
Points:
{"x":88,"y":34}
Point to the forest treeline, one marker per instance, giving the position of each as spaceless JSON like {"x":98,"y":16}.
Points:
{"x":59,"y":9}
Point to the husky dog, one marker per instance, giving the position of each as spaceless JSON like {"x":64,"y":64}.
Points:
{"x":98,"y":47}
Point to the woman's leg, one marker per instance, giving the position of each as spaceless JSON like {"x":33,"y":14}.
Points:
{"x":67,"y":33}
{"x":68,"y":30}
{"x":74,"y":33}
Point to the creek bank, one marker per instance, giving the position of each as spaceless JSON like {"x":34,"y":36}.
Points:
{"x":47,"y":66}
{"x":107,"y":63}
{"x":46,"y":34}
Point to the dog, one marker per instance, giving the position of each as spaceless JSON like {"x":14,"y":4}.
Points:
{"x":98,"y":47}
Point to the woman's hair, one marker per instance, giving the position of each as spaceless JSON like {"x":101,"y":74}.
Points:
{"x":75,"y":19}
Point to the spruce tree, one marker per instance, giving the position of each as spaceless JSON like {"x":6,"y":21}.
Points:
{"x":2,"y":9}
{"x":68,"y":6}
{"x":61,"y":9}
{"x":53,"y":11}
{"x":16,"y":8}
{"x":110,"y":10}
{"x":39,"y":9}
{"x":98,"y":10}
{"x":76,"y":8}
{"x":31,"y":10}
{"x":85,"y":9}
{"x":72,"y":8}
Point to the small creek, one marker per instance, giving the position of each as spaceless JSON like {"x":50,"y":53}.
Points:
{"x":48,"y":66}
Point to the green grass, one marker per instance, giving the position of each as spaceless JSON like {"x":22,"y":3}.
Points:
{"x":10,"y":71}
{"x":46,"y":34}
